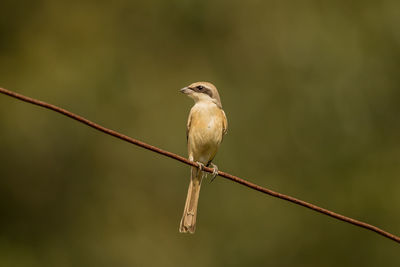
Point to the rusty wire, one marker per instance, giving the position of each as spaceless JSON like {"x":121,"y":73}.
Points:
{"x":210,"y":170}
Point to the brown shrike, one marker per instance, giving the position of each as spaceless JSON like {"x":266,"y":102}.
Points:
{"x":206,"y":127}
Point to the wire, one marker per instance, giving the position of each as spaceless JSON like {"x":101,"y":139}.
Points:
{"x":207,"y":169}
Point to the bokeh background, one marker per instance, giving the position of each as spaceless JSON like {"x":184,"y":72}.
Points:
{"x":311,"y":91}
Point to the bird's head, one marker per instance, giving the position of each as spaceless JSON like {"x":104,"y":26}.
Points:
{"x":202,"y":91}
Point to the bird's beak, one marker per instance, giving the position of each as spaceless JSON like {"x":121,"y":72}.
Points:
{"x":186,"y":90}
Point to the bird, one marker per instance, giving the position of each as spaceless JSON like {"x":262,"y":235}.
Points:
{"x":206,"y":126}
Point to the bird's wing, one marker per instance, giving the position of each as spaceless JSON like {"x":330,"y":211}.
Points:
{"x":188,"y":125}
{"x":224,"y":123}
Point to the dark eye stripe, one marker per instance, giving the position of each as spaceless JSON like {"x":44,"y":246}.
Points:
{"x":208,"y":92}
{"x":204,"y":90}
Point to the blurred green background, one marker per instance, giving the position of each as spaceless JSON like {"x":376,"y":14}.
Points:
{"x":311,"y":91}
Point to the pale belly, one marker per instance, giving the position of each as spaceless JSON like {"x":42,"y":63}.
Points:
{"x":205,"y":137}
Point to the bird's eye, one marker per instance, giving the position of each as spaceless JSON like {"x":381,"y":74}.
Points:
{"x":200,"y":87}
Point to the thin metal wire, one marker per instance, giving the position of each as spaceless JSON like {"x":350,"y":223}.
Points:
{"x":210,"y":170}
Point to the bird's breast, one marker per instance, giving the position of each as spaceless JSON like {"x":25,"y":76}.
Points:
{"x":205,"y":132}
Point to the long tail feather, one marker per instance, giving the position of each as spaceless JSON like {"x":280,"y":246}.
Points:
{"x":188,"y":221}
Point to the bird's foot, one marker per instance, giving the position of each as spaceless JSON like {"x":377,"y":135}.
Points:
{"x":215,"y":172}
{"x":200,"y":167}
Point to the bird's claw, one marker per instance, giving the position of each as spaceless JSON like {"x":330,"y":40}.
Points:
{"x":200,"y":167}
{"x":215,"y":172}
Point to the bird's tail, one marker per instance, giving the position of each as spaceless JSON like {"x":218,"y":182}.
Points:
{"x":188,"y":221}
